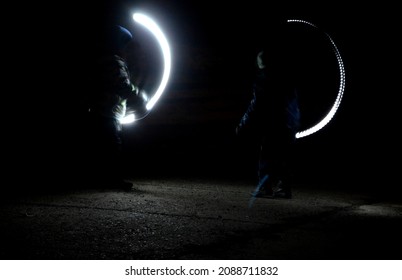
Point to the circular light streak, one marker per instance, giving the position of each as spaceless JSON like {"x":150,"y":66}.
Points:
{"x":149,"y":24}
{"x":129,"y":118}
{"x":152,"y":27}
{"x":338,"y":99}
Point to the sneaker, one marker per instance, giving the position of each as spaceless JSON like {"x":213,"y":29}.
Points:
{"x":281,"y":191}
{"x":123,"y":185}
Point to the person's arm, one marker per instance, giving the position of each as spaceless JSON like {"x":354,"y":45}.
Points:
{"x":250,"y":120}
{"x":135,"y":97}
{"x":248,"y":117}
{"x":125,"y":88}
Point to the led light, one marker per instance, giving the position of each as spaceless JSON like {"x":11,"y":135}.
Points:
{"x":127,"y":119}
{"x":338,"y":99}
{"x":149,"y":24}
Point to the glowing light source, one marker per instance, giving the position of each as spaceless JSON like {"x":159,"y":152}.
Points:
{"x":149,"y":24}
{"x":338,"y":99}
{"x":127,"y":119}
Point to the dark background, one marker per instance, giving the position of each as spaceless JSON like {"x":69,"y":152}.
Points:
{"x":190,"y":132}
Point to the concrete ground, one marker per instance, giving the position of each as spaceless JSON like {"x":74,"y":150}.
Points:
{"x":200,"y":219}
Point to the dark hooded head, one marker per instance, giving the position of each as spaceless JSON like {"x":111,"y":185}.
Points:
{"x":115,"y":38}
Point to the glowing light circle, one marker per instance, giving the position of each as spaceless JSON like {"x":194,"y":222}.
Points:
{"x":152,"y":27}
{"x":338,"y":99}
{"x":149,"y":24}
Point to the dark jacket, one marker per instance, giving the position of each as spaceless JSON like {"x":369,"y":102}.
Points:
{"x":274,"y":110}
{"x":113,"y":87}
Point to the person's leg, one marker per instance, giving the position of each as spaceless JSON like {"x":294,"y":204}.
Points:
{"x":273,"y":170}
{"x":106,"y":160}
{"x":114,"y":158}
{"x":282,"y":187}
{"x":266,"y":172}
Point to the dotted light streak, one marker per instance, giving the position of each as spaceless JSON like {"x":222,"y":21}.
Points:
{"x":338,"y":99}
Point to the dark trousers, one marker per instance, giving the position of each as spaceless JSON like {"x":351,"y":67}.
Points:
{"x":104,"y":149}
{"x":276,"y":158}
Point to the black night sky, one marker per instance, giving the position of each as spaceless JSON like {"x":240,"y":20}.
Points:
{"x":191,"y":130}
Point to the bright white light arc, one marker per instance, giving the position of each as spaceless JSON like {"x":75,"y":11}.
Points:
{"x":149,"y":24}
{"x":338,"y":99}
{"x":127,"y":119}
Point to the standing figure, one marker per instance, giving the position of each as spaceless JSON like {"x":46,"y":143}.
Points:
{"x":111,"y":91}
{"x":273,"y":116}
